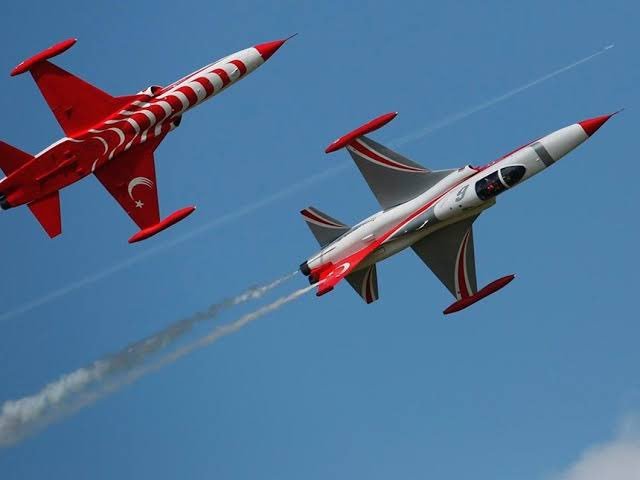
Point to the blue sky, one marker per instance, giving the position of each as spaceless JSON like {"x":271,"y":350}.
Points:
{"x":520,"y":385}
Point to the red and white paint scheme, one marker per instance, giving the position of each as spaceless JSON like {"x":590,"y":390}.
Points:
{"x":113,"y":138}
{"x":430,"y":211}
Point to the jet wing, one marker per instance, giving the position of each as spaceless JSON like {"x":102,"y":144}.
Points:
{"x":449,"y":253}
{"x":76,"y":104}
{"x":131,"y":179}
{"x":393,"y":179}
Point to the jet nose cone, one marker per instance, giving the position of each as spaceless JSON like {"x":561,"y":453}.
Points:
{"x":591,"y":125}
{"x":269,"y":48}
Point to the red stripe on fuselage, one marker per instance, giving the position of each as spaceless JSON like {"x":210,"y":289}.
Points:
{"x":178,"y":82}
{"x":355,"y":258}
{"x":241,"y":66}
{"x":158,"y":111}
{"x":224,"y":76}
{"x":142,"y":120}
{"x":188,"y":92}
{"x":206,"y":84}
{"x":175,"y":102}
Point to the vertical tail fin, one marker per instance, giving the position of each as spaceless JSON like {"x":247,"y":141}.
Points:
{"x":323,"y":227}
{"x":365,"y":283}
{"x":47,"y":212}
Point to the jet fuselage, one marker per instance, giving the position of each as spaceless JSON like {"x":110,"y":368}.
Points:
{"x":463,"y":193}
{"x":149,"y":116}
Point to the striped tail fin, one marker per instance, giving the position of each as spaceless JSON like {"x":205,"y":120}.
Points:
{"x":325,"y":228}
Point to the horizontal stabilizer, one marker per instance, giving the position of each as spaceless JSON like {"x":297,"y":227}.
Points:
{"x":12,"y":158}
{"x":365,"y":283}
{"x":323,"y":227}
{"x":47,"y":212}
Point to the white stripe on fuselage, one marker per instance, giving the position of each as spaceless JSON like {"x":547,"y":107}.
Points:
{"x":250,"y":58}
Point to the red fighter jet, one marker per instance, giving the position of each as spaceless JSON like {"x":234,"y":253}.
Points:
{"x":111,"y":137}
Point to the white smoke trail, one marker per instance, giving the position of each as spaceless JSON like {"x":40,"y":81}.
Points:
{"x":286,"y":192}
{"x":215,"y":223}
{"x":73,"y":390}
{"x":456,"y":117}
{"x":213,"y":336}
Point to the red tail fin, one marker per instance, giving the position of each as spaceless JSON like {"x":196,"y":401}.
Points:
{"x":47,"y":212}
{"x":12,"y":158}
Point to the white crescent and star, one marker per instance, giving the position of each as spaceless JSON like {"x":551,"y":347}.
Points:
{"x":342,"y":268}
{"x":144,"y":181}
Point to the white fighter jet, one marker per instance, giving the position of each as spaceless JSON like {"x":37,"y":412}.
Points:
{"x":431,"y":211}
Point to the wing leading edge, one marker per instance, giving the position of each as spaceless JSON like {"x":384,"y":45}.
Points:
{"x":393,"y":178}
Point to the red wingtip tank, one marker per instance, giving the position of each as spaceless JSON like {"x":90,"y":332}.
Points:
{"x":50,"y":52}
{"x":172,"y":219}
{"x":374,"y":124}
{"x":479,"y":295}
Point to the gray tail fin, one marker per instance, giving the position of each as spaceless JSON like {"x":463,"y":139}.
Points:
{"x":325,"y":228}
{"x":365,"y":283}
